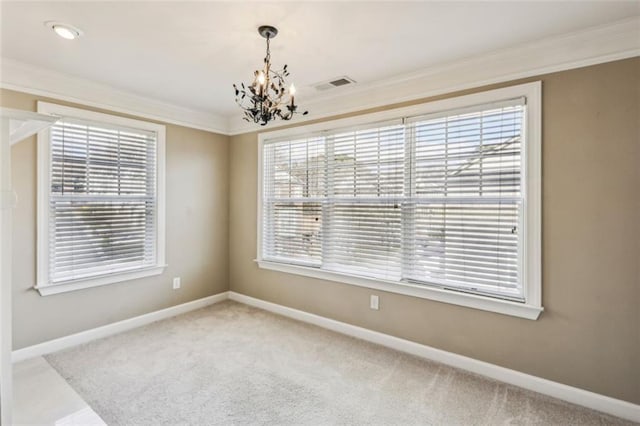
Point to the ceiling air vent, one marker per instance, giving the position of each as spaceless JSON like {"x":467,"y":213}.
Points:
{"x":336,"y":82}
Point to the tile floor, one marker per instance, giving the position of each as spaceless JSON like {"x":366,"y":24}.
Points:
{"x":42,"y":397}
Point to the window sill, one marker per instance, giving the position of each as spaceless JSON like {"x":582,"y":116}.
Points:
{"x":99,"y":281}
{"x":484,"y":303}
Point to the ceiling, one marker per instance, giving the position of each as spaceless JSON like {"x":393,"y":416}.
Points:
{"x":190,"y":53}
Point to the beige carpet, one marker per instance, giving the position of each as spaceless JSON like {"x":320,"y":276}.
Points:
{"x":233,"y":364}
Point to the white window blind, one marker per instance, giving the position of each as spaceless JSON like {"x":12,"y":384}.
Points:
{"x":464,"y":210}
{"x":102,"y":200}
{"x":435,"y":200}
{"x":363,"y":215}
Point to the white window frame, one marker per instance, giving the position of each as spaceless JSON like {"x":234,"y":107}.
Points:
{"x":44,"y":183}
{"x":531,"y":187}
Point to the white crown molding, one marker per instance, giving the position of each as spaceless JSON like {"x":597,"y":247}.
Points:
{"x":21,"y":77}
{"x":616,"y":407}
{"x":591,"y":46}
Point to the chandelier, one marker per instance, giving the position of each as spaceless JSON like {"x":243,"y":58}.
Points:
{"x":264,"y":100}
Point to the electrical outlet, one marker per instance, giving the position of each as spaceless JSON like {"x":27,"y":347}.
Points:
{"x":375,"y":302}
{"x":176,"y":283}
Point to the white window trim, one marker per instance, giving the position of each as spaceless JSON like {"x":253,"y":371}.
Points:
{"x":43,"y":183}
{"x":531,"y":253}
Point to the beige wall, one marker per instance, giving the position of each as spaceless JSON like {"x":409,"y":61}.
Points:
{"x":589,"y":334}
{"x":197,"y":239}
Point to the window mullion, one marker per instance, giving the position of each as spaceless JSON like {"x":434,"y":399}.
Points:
{"x":267,"y":201}
{"x":327,"y":204}
{"x":408,"y":205}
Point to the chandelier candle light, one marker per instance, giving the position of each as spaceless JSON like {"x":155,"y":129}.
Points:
{"x":264,"y":99}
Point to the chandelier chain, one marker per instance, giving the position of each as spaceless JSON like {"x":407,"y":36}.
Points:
{"x":268,"y":57}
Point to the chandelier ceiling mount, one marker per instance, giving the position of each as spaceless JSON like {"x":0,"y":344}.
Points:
{"x":267,"y":31}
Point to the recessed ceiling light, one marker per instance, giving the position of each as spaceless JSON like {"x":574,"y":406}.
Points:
{"x":64,"y":30}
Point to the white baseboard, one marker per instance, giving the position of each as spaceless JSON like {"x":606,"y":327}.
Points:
{"x":616,"y":407}
{"x":113,"y":328}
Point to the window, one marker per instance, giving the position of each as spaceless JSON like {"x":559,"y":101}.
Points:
{"x":441,"y":202}
{"x":100,"y":205}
